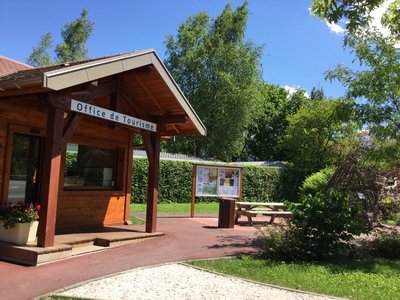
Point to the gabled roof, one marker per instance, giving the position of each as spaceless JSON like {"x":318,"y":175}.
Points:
{"x":8,"y":66}
{"x":63,"y":76}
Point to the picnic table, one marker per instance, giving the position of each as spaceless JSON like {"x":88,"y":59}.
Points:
{"x":251,"y":209}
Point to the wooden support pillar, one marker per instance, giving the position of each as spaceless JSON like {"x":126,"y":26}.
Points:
{"x":50,"y":177}
{"x":128,"y":183}
{"x":152,"y":143}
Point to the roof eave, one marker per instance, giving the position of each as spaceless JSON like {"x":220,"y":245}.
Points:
{"x":91,"y":71}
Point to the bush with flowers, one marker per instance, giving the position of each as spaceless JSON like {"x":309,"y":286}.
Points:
{"x":19,"y":213}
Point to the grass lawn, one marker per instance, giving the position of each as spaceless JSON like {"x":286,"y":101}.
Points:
{"x":182,"y":208}
{"x":375,"y":279}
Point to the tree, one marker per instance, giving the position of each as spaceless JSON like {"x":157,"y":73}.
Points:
{"x":357,"y":14}
{"x":264,"y":134}
{"x":40,"y":55}
{"x":377,"y":84}
{"x":220,"y":73}
{"x":317,"y":94}
{"x":318,"y":132}
{"x":75,"y":35}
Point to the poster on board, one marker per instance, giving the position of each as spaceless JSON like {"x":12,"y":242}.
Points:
{"x":206,"y":181}
{"x":217,"y":181}
{"x":228,"y":182}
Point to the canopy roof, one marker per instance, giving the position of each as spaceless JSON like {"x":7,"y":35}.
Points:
{"x":148,"y":89}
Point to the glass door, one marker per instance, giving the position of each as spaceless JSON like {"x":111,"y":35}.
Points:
{"x":24,"y":170}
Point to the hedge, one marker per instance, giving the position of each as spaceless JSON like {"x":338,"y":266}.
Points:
{"x":175,"y":182}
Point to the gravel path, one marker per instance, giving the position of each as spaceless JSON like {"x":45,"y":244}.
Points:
{"x":177,"y":281}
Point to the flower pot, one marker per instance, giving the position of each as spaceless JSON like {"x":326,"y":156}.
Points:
{"x":21,"y":234}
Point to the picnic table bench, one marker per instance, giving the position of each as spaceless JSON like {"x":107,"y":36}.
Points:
{"x":251,"y":209}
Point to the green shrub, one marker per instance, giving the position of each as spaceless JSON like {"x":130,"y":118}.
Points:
{"x":386,"y":245}
{"x":391,"y":209}
{"x":174,"y":185}
{"x":71,"y":163}
{"x":314,"y":183}
{"x":175,"y":182}
{"x":285,"y":245}
{"x":320,"y":227}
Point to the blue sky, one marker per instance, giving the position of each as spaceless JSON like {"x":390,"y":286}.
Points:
{"x":298,"y":49}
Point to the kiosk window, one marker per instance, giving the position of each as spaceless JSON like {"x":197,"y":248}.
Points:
{"x":89,"y":167}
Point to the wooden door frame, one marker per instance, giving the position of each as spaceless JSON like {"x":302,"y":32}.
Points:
{"x":13,"y":129}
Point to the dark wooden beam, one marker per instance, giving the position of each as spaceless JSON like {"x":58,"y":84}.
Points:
{"x":92,"y":91}
{"x":149,"y":93}
{"x":128,"y":183}
{"x":136,"y":108}
{"x":70,"y":127}
{"x":59,"y":101}
{"x":50,"y":177}
{"x":23,"y":91}
{"x":171,"y":119}
{"x":146,"y":136}
{"x":116,"y":96}
{"x":152,"y":140}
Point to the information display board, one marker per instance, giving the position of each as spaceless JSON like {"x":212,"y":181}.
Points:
{"x":213,"y":181}
{"x":216,"y":181}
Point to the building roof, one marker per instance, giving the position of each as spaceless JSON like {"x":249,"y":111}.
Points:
{"x":277,"y":164}
{"x":8,"y":66}
{"x":176,"y":156}
{"x":31,"y":72}
{"x":158,"y":93}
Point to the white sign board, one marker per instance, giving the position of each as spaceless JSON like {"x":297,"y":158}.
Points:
{"x":109,"y":115}
{"x":217,"y":181}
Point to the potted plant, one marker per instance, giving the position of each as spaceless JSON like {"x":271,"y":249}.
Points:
{"x":19,"y":223}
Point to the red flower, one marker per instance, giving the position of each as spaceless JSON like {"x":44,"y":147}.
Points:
{"x":37,"y":216}
{"x":37,"y":206}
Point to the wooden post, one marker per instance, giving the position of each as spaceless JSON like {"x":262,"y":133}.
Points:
{"x":128,"y":181}
{"x":50,"y":177}
{"x":193,"y":190}
{"x":240,"y":184}
{"x":152,"y":142}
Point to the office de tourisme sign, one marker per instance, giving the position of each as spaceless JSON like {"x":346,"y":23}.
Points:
{"x":109,"y":115}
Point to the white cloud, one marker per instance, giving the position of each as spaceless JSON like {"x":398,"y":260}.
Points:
{"x":335,"y":28}
{"x":377,"y":16}
{"x":291,"y":90}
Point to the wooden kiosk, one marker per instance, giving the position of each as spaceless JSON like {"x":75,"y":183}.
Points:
{"x":66,"y":137}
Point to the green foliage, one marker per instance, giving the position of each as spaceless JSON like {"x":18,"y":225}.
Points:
{"x":220,"y":73}
{"x":175,"y":182}
{"x":313,"y":183}
{"x":19,"y":213}
{"x":71,"y":163}
{"x":270,"y":184}
{"x":318,"y":133}
{"x":264,"y":134}
{"x":320,"y":227}
{"x":386,"y":245}
{"x":40,"y":55}
{"x":355,"y":13}
{"x":384,"y":155}
{"x":75,"y":35}
{"x":377,"y":82}
{"x":390,"y":208}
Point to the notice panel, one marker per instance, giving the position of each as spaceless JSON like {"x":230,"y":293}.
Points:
{"x":206,"y":183}
{"x":217,"y":181}
{"x":229,"y":182}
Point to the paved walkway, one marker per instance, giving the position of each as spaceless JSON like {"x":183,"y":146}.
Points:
{"x":184,"y":239}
